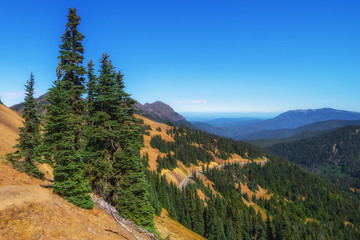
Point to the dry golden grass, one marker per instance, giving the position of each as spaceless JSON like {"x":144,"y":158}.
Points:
{"x":172,"y":229}
{"x":9,"y":132}
{"x":152,"y":152}
{"x":28,"y":211}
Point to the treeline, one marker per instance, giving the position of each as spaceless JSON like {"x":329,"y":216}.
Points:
{"x":191,"y":146}
{"x":217,"y":219}
{"x":335,"y":155}
{"x":92,"y":144}
{"x":301,"y":206}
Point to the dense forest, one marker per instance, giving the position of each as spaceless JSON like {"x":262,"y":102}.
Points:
{"x":299,"y":205}
{"x":186,"y":148}
{"x":334,"y":155}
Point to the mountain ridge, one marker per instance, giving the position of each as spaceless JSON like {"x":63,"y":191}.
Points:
{"x":157,"y":111}
{"x":287,"y":120}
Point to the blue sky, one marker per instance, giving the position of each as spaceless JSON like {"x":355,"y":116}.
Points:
{"x":245,"y":56}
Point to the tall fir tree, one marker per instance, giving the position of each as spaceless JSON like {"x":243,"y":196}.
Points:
{"x":29,"y":140}
{"x":115,"y":166}
{"x":65,"y":118}
{"x":69,"y":180}
{"x":71,"y":62}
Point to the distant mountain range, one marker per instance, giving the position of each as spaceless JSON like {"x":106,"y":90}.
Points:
{"x":285,"y":125}
{"x":157,"y":111}
{"x":295,"y":124}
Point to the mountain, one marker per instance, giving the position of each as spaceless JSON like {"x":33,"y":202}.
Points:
{"x":226,"y":189}
{"x":313,"y":127}
{"x":335,"y":154}
{"x":161,"y":112}
{"x":157,"y":111}
{"x":40,"y":102}
{"x":214,"y":186}
{"x":30,"y":210}
{"x":284,"y":122}
{"x":298,"y":118}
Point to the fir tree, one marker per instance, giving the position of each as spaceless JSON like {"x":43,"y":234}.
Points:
{"x":29,"y":141}
{"x":69,"y":180}
{"x":115,"y":168}
{"x":71,"y":59}
{"x":65,"y":118}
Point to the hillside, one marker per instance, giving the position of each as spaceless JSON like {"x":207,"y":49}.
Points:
{"x":245,"y":194}
{"x":9,"y":123}
{"x":233,"y":191}
{"x":29,"y":211}
{"x":335,"y":154}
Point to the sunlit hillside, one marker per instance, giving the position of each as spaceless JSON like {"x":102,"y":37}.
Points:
{"x":30,"y":211}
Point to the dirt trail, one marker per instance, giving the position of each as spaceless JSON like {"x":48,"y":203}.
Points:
{"x":14,"y":195}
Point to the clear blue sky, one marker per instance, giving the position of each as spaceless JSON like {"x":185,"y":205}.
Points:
{"x":197,"y":56}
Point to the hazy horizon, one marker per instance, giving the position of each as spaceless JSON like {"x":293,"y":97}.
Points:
{"x":197,"y":56}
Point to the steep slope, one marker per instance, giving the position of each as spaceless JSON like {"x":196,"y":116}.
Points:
{"x":9,"y":123}
{"x":222,"y":200}
{"x":29,"y":211}
{"x":182,"y":170}
{"x":335,"y":154}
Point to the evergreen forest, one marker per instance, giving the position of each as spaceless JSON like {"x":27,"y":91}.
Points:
{"x":298,"y":205}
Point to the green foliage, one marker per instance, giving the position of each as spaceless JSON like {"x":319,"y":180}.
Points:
{"x":65,"y":121}
{"x":25,"y":158}
{"x":113,"y":162}
{"x":69,"y":180}
{"x":334,"y":155}
{"x":227,"y":217}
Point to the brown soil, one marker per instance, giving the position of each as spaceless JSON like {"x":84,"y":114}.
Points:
{"x":9,"y":123}
{"x":29,"y":211}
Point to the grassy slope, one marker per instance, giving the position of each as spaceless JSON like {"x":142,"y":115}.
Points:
{"x":28,"y":211}
{"x":178,"y":174}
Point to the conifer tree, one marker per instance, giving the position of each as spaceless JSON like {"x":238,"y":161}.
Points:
{"x":29,"y":141}
{"x":71,"y":60}
{"x":115,"y":168}
{"x":69,"y":180}
{"x":65,"y":118}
